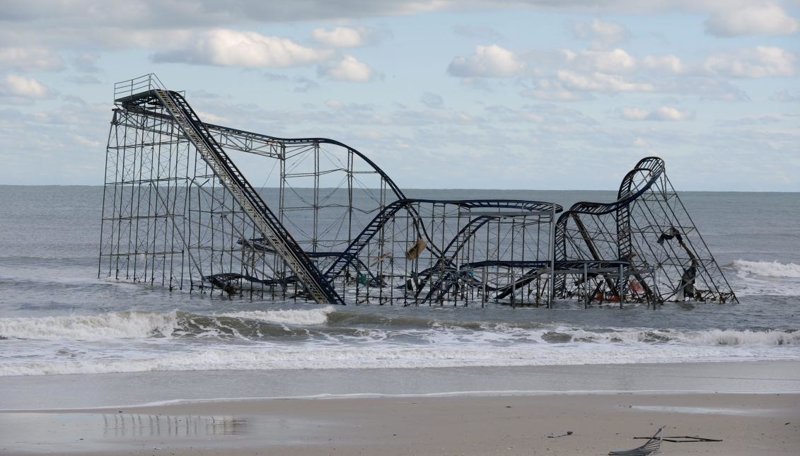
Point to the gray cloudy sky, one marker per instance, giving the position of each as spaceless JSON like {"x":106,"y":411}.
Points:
{"x":536,"y":94}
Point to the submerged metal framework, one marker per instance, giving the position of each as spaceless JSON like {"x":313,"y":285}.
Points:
{"x":327,"y":224}
{"x":646,"y":241}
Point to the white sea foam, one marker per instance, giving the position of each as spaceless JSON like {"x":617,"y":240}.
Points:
{"x":112,"y":325}
{"x":384,"y":356}
{"x":739,"y":338}
{"x":300,"y":317}
{"x":767,"y":268}
{"x":149,"y":325}
{"x":124,"y":342}
{"x":766,"y":278}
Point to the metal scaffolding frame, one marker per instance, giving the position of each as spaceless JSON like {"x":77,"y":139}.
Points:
{"x":659,"y":252}
{"x":329,"y":225}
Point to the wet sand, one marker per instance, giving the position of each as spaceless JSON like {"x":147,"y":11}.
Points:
{"x":504,"y":422}
{"x":510,"y":425}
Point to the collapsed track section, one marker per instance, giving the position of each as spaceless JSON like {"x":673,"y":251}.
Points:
{"x":645,"y":243}
{"x":436,"y":252}
{"x":312,"y":218}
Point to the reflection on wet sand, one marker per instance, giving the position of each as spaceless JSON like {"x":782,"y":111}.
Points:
{"x":77,"y":432}
{"x":135,"y":425}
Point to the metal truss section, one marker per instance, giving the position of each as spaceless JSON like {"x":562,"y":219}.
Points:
{"x":191,"y":205}
{"x":449,"y":252}
{"x":659,"y":252}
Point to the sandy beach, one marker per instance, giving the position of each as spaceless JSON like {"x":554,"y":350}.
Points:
{"x":755,"y":419}
{"x":577,"y":424}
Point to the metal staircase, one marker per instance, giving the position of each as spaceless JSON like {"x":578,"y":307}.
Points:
{"x":363,"y":238}
{"x":316,"y":284}
{"x":445,"y":266}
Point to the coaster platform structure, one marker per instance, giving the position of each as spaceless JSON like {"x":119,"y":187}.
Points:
{"x":329,"y":225}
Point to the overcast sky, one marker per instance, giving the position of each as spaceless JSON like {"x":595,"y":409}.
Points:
{"x":527,"y":94}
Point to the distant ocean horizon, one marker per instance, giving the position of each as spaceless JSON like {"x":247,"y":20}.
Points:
{"x":459,"y":189}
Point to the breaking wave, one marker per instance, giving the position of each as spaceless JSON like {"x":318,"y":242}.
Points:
{"x":326,"y":323}
{"x":767,"y":269}
{"x":146,"y":325}
{"x":771,"y":278}
{"x":288,"y":317}
{"x":395,"y":356}
{"x":113,"y":325}
{"x":332,"y":338}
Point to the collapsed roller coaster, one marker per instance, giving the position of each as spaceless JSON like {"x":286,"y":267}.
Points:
{"x":332,"y":227}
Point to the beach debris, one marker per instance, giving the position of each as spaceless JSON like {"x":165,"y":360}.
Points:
{"x":652,"y":445}
{"x":551,"y":436}
{"x":416,"y":250}
{"x":684,"y":439}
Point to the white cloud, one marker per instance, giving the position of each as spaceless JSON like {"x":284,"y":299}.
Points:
{"x":111,"y":23}
{"x":601,"y":34}
{"x":245,"y":49}
{"x":613,"y":61}
{"x":193,"y":13}
{"x":665,"y":64}
{"x":212,"y":118}
{"x":755,"y":19}
{"x":634,"y":114}
{"x":759,"y":62}
{"x":545,"y":89}
{"x":488,"y":62}
{"x":600,"y":82}
{"x":348,"y":69}
{"x":664,"y":113}
{"x":340,"y":37}
{"x":19,"y":86}
{"x":30,"y":58}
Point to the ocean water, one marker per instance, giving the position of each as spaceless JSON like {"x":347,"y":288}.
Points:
{"x":57,"y":317}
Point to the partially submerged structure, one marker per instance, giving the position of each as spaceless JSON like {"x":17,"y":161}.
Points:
{"x":330,"y":226}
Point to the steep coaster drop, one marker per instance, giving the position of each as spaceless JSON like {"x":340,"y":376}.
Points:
{"x":332,"y":227}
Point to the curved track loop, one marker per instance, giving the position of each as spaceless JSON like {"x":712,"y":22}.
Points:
{"x":239,"y":139}
{"x":648,"y":170}
{"x":635,"y":183}
{"x":649,"y":234}
{"x":247,"y":137}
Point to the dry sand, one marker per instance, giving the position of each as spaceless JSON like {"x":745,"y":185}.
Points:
{"x":560,"y":424}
